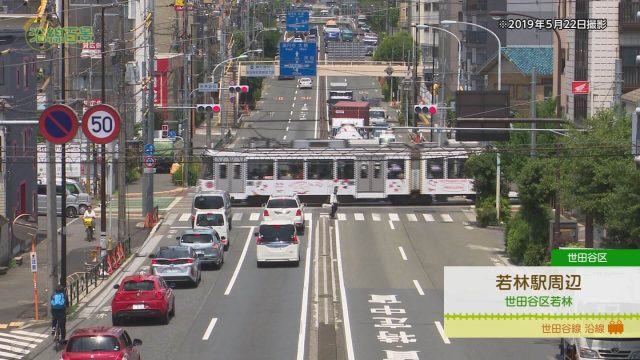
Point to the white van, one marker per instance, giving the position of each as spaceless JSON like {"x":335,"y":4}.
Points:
{"x":600,"y":348}
{"x":212,"y":200}
{"x":277,"y":240}
{"x":216,"y":220}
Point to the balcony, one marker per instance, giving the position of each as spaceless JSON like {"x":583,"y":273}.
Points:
{"x":627,"y":16}
{"x":630,"y":78}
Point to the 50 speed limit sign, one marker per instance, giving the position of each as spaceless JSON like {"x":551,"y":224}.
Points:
{"x":101,"y":124}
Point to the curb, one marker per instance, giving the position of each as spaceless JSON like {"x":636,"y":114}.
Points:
{"x":167,"y":192}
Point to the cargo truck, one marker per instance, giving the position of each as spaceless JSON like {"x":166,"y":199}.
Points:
{"x":355,"y":113}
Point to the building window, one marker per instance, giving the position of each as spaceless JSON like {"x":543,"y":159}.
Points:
{"x":435,"y":7}
{"x":548,"y":91}
{"x":628,"y":55}
{"x":426,"y":7}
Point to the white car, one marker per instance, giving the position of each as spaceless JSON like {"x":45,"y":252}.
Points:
{"x":305,"y":83}
{"x":298,"y":40}
{"x":277,"y":240}
{"x":285,"y":207}
{"x":216,"y":220}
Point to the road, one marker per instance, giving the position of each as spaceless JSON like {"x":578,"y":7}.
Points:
{"x":257,"y":313}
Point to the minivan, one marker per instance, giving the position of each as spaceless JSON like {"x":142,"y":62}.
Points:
{"x":216,"y":220}
{"x":212,"y":200}
{"x":74,"y":188}
{"x":277,"y":240}
{"x":72,"y":201}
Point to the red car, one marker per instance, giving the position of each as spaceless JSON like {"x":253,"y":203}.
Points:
{"x":143,"y":296}
{"x":101,"y":343}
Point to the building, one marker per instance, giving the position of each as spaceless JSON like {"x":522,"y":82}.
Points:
{"x":18,"y":87}
{"x":517,"y":65}
{"x":590,"y":53}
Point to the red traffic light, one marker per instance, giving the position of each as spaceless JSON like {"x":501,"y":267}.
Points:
{"x":244,"y":89}
{"x":425,"y":109}
{"x":216,"y":108}
{"x":239,"y":89}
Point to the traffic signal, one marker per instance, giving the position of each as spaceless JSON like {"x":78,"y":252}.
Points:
{"x":425,"y":109}
{"x":208,"y":108}
{"x":239,"y":89}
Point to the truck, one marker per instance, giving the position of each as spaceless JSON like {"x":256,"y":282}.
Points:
{"x":167,"y":152}
{"x":355,"y":113}
{"x":338,"y":92}
{"x":599,"y":348}
{"x":378,"y":116}
{"x":346,"y":35}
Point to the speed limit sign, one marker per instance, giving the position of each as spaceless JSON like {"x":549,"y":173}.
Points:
{"x":101,"y":124}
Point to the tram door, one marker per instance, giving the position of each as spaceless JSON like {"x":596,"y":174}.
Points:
{"x":370,"y":174}
{"x":230,"y":175}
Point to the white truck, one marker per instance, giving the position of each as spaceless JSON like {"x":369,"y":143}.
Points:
{"x":600,"y":348}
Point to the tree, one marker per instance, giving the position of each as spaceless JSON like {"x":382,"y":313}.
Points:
{"x":398,"y":47}
{"x":238,"y":43}
{"x":482,"y":168}
{"x":271,"y":41}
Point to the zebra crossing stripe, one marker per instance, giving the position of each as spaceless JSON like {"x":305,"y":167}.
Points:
{"x":342,"y":217}
{"x":29,"y":333}
{"x":10,"y":355}
{"x":359,"y":216}
{"x":394,"y":217}
{"x":375,"y":217}
{"x":254,"y":216}
{"x":28,"y":338}
{"x":14,"y":349}
{"x":428,"y":217}
{"x":412,"y":217}
{"x":19,"y":343}
{"x":185,"y":217}
{"x":446,"y":218}
{"x":237,"y":217}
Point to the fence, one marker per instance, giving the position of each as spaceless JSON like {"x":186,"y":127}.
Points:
{"x":79,"y":284}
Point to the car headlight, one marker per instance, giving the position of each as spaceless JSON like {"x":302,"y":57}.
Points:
{"x":634,"y":355}
{"x":588,"y":353}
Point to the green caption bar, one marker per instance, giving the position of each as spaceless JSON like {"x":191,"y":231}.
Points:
{"x":595,"y":257}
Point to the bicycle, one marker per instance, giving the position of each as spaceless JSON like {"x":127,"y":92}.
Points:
{"x":89,"y":226}
{"x":57,"y":338}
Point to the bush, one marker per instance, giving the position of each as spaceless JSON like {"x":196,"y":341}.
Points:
{"x":194,"y":174}
{"x":517,"y":239}
{"x":486,"y":211}
{"x":133,"y":175}
{"x":534,"y":255}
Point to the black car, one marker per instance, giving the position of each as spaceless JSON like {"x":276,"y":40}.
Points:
{"x":286,"y":77}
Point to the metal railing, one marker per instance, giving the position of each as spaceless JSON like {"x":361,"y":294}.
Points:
{"x":627,"y":19}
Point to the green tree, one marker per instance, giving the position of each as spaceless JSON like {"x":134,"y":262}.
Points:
{"x":238,"y":43}
{"x":271,"y":42}
{"x":482,"y":168}
{"x":396,"y":47}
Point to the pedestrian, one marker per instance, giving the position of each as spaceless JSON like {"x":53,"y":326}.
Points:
{"x":333,"y":201}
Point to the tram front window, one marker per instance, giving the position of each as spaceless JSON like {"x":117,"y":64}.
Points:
{"x":260,"y":169}
{"x":320,"y":170}
{"x":345,"y":169}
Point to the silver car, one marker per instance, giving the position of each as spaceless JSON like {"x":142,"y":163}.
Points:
{"x":176,"y":264}
{"x":206,"y":243}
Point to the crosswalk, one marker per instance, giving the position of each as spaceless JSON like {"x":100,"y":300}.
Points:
{"x":16,"y":344}
{"x":456,"y":217}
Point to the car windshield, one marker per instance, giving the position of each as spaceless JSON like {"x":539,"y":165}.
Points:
{"x":210,"y":220}
{"x":282,"y":204}
{"x":146,"y":285}
{"x":208,"y":202}
{"x":173,"y":253}
{"x":196,"y":238}
{"x":276,"y":233}
{"x":376,"y":114}
{"x":93,"y":343}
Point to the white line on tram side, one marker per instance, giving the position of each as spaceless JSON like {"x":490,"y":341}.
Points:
{"x":391,"y":225}
{"x":404,"y":256}
{"x":418,"y":287}
{"x":305,"y":296}
{"x":207,"y":333}
{"x":237,"y":270}
{"x":441,"y":331}
{"x":343,"y":298}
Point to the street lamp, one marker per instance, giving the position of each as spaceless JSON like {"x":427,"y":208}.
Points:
{"x":497,"y":14}
{"x":420,"y":26}
{"x":448,"y":22}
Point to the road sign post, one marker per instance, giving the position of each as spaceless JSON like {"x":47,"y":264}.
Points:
{"x":298,"y":59}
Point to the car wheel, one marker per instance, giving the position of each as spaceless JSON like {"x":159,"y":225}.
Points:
{"x":173,"y":309}
{"x":164,"y":318}
{"x":115,"y":320}
{"x":226,"y":247}
{"x":71,"y":212}
{"x":301,"y":230}
{"x":259,"y":264}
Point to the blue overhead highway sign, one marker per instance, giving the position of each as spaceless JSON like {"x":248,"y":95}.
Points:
{"x":298,"y":21}
{"x":298,"y":59}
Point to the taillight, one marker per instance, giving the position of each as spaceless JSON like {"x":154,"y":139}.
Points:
{"x":259,"y":240}
{"x":295,"y":239}
{"x":158,"y":295}
{"x":265,"y":213}
{"x":154,"y":262}
{"x":299,"y":212}
{"x":190,"y":261}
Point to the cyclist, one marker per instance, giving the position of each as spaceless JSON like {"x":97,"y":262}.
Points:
{"x":59,"y":311}
{"x":89,"y":219}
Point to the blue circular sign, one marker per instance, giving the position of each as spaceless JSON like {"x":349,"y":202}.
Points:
{"x":58,"y":124}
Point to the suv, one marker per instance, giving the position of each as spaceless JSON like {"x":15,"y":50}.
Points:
{"x":285,"y":207}
{"x":277,"y":240}
{"x":176,"y":264}
{"x":72,"y":201}
{"x":206,"y":243}
{"x":102,"y":342}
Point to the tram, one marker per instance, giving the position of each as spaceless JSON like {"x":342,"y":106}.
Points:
{"x":396,"y":172}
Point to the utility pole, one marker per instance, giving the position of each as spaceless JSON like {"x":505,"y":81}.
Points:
{"x":533,"y":112}
{"x":147,"y":191}
{"x":122,"y":136}
{"x":52,"y":231}
{"x":186,"y":51}
{"x":103,"y":150}
{"x":236,"y":98}
{"x":63,"y":170}
{"x":415,"y":75}
{"x":207,"y":98}
{"x":617,"y":94}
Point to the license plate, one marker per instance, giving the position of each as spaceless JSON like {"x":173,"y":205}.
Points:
{"x":138,"y":307}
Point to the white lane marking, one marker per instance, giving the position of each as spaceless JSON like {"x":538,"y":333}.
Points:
{"x":468,"y":227}
{"x":333,"y":278}
{"x":342,"y":217}
{"x":286,"y":129}
{"x":404,"y":256}
{"x":170,"y":219}
{"x":27,"y":338}
{"x":10,"y":355}
{"x":412,"y":217}
{"x":442,"y":334}
{"x":237,"y":216}
{"x":315,"y":122}
{"x":428,"y":217}
{"x":359,"y":216}
{"x":470,"y":215}
{"x":305,"y":297}
{"x":391,"y":225}
{"x":418,"y":287}
{"x":291,"y":113}
{"x":31,"y":333}
{"x":307,"y":216}
{"x":237,"y":270}
{"x":185,"y":217}
{"x":343,"y":297}
{"x":289,"y":121}
{"x":173,"y":203}
{"x":394,"y":217}
{"x":375,"y":217}
{"x":446,"y":218}
{"x":14,"y":349}
{"x":19,"y":343}
{"x":294,"y":98}
{"x":172,"y":231}
{"x":284,"y":137}
{"x":207,"y":332}
{"x":254,"y":216}
{"x":292,"y":105}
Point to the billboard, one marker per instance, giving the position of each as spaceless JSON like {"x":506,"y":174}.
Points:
{"x":477,"y":105}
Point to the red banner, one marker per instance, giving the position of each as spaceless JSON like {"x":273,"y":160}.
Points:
{"x":160,"y":90}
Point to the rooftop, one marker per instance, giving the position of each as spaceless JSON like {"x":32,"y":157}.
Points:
{"x":526,"y":58}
